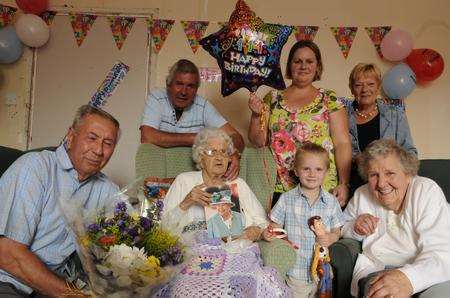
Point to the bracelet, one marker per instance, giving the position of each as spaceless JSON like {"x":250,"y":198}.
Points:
{"x":346,"y":184}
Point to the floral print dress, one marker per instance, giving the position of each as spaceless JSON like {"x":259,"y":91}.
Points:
{"x":289,"y":129}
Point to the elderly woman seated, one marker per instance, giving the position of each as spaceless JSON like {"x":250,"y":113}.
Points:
{"x":403,"y":222}
{"x":215,"y":269}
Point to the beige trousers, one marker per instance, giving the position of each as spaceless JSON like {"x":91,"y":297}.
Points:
{"x":301,"y":289}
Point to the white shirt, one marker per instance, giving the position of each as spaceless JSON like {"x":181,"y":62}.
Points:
{"x":416,"y":240}
{"x":175,"y":219}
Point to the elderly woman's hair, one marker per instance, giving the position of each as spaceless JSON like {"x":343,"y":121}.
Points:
{"x":385,"y":147}
{"x":313,"y":47}
{"x":182,"y":66}
{"x":201,"y":142}
{"x":87,"y":110}
{"x":366,"y":69}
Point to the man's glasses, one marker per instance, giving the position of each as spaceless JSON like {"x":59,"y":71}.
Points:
{"x":215,"y":152}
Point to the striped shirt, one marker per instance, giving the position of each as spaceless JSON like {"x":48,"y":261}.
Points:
{"x":293,"y":211}
{"x":160,"y":114}
{"x":30,"y":193}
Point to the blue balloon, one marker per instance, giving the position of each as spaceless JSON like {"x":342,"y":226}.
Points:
{"x":11,"y":47}
{"x":399,"y":82}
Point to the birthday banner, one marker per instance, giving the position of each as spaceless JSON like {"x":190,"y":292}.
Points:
{"x":305,"y":32}
{"x":81,"y":24}
{"x":377,"y":34}
{"x":48,"y":16}
{"x":159,"y":30}
{"x":6,"y":15}
{"x":194,"y":30}
{"x":344,"y":37}
{"x":120,"y":27}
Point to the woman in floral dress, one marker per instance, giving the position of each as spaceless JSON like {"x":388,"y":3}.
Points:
{"x":303,"y":113}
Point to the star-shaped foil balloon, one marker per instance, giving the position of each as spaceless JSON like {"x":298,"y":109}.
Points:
{"x":248,"y":51}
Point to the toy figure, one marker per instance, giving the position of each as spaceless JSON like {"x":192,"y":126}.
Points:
{"x":321,"y":270}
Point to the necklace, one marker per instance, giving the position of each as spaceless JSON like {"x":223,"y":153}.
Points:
{"x":368,"y":114}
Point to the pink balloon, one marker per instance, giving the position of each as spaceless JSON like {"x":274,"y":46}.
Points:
{"x":32,"y":30}
{"x":396,"y":45}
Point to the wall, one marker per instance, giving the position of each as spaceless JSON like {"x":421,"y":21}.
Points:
{"x":428,"y":108}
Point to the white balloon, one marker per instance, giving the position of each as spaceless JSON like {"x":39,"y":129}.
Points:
{"x":32,"y":30}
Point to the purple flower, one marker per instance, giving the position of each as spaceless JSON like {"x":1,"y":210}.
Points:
{"x":93,"y":228}
{"x":132,"y":231}
{"x":146,"y":223}
{"x":121,"y":208}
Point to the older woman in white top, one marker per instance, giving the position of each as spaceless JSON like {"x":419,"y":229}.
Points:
{"x":186,"y":198}
{"x":403,"y":222}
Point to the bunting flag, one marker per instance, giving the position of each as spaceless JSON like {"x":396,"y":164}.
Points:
{"x":194,"y":31}
{"x":159,"y":30}
{"x":344,"y":37}
{"x":7,"y":14}
{"x":222,"y":24}
{"x":305,"y":32}
{"x":377,"y":34}
{"x":81,"y":24}
{"x":120,"y":27}
{"x":48,"y":16}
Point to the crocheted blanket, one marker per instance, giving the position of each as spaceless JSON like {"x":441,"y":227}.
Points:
{"x":214,"y":272}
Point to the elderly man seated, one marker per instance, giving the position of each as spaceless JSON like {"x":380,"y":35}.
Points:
{"x":35,"y":241}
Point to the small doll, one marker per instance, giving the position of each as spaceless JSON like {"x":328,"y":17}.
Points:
{"x":321,"y":270}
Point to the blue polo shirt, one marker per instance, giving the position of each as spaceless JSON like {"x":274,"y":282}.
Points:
{"x":30,"y":194}
{"x":293,"y":211}
{"x":160,"y":114}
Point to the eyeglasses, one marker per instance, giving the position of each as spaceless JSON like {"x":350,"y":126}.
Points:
{"x":215,"y":152}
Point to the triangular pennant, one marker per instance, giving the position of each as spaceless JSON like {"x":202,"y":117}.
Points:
{"x":194,"y":32}
{"x":305,"y":32}
{"x":6,"y":15}
{"x":344,"y":37}
{"x":222,"y":24}
{"x":377,"y":34}
{"x":120,"y":27}
{"x":81,"y":24}
{"x":159,"y":30}
{"x":48,"y":16}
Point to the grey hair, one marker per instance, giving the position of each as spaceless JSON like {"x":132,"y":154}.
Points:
{"x":385,"y":147}
{"x":87,"y":110}
{"x":201,"y":142}
{"x":182,"y":66}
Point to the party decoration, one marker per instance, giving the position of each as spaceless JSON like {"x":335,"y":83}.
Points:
{"x":194,"y":31}
{"x":48,"y":16}
{"x":81,"y":24}
{"x":376,"y":35}
{"x":427,"y":64}
{"x":33,"y":6}
{"x":344,"y":37}
{"x":396,"y":45}
{"x":32,"y":30}
{"x":120,"y":27}
{"x":10,"y":46}
{"x":159,"y":30}
{"x":6,"y":15}
{"x":114,"y":77}
{"x":210,"y":74}
{"x":399,"y":81}
{"x":305,"y":32}
{"x":248,"y":51}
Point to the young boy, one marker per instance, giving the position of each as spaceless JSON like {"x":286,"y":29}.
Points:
{"x":296,"y":206}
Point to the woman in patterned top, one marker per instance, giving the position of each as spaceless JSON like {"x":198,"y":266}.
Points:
{"x":286,"y":119}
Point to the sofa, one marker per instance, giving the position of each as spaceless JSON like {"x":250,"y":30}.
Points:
{"x":258,"y":170}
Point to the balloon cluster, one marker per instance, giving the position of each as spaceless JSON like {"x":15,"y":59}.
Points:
{"x":419,"y":66}
{"x":29,"y":29}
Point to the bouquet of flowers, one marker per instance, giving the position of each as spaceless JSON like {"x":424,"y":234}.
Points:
{"x":127,"y":255}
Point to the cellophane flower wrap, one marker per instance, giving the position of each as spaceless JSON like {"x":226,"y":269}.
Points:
{"x":123,"y":253}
